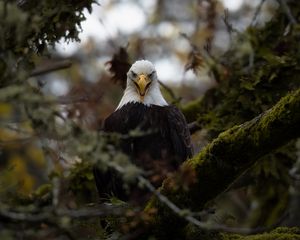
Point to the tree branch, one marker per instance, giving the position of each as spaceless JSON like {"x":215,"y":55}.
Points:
{"x":191,"y":109}
{"x":54,"y":214}
{"x":51,"y":68}
{"x":193,"y":127}
{"x":190,"y":216}
{"x":226,"y":158}
{"x":287,"y":11}
{"x":257,"y":11}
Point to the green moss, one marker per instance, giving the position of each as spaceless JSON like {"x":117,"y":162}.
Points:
{"x":281,"y":233}
{"x":193,"y":233}
{"x":247,"y":89}
{"x":191,"y":110}
{"x":194,"y":110}
{"x":289,"y":230}
{"x":228,"y":156}
{"x":82,"y":182}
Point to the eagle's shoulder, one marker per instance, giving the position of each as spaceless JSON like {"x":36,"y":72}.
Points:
{"x":179,"y":132}
{"x":125,"y":118}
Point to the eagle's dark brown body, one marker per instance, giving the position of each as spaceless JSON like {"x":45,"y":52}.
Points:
{"x":167,"y":124}
{"x":163,"y":146}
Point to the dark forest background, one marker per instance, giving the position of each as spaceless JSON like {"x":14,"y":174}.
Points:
{"x":238,"y":89}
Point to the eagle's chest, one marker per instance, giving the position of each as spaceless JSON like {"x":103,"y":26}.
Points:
{"x":153,"y":135}
{"x":150,"y":146}
{"x":148,"y":127}
{"x":143,"y":118}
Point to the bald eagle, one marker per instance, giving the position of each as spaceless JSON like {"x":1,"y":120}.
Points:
{"x":167,"y":141}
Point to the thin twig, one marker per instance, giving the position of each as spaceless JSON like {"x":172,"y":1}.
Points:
{"x":51,"y":216}
{"x":104,"y":210}
{"x":18,"y":141}
{"x":189,"y":216}
{"x":18,"y":130}
{"x":84,"y":98}
{"x":52,"y":213}
{"x":257,"y":11}
{"x":22,"y":216}
{"x":287,"y":11}
{"x":73,"y":100}
{"x":229,"y":27}
{"x":186,"y":213}
{"x":51,"y":68}
{"x":193,"y":127}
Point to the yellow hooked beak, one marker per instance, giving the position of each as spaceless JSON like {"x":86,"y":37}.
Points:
{"x":142,"y":84}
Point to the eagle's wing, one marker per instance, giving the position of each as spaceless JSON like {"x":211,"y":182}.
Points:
{"x":109,"y":182}
{"x":179,"y":133}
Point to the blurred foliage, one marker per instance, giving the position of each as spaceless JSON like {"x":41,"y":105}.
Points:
{"x":48,"y":143}
{"x":261,"y":67}
{"x":27,"y":27}
{"x":82,"y":179}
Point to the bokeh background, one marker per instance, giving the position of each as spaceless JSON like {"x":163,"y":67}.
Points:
{"x":190,"y":42}
{"x":163,"y":32}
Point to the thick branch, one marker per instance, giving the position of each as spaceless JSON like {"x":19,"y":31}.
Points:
{"x":227,"y":157}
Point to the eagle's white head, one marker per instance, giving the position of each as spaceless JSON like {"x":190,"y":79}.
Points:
{"x":142,"y":85}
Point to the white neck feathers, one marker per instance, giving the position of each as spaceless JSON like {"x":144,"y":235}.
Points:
{"x":152,"y":97}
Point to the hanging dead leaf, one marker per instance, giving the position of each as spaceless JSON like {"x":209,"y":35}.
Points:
{"x":119,"y":66}
{"x":195,"y":61}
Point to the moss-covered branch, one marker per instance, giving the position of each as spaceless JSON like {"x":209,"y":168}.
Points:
{"x":245,"y":90}
{"x":191,"y":109}
{"x":227,"y":157}
{"x":283,"y":233}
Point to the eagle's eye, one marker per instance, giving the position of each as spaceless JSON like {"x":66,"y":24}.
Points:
{"x":151,"y":74}
{"x":148,"y":85}
{"x":134,"y":75}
